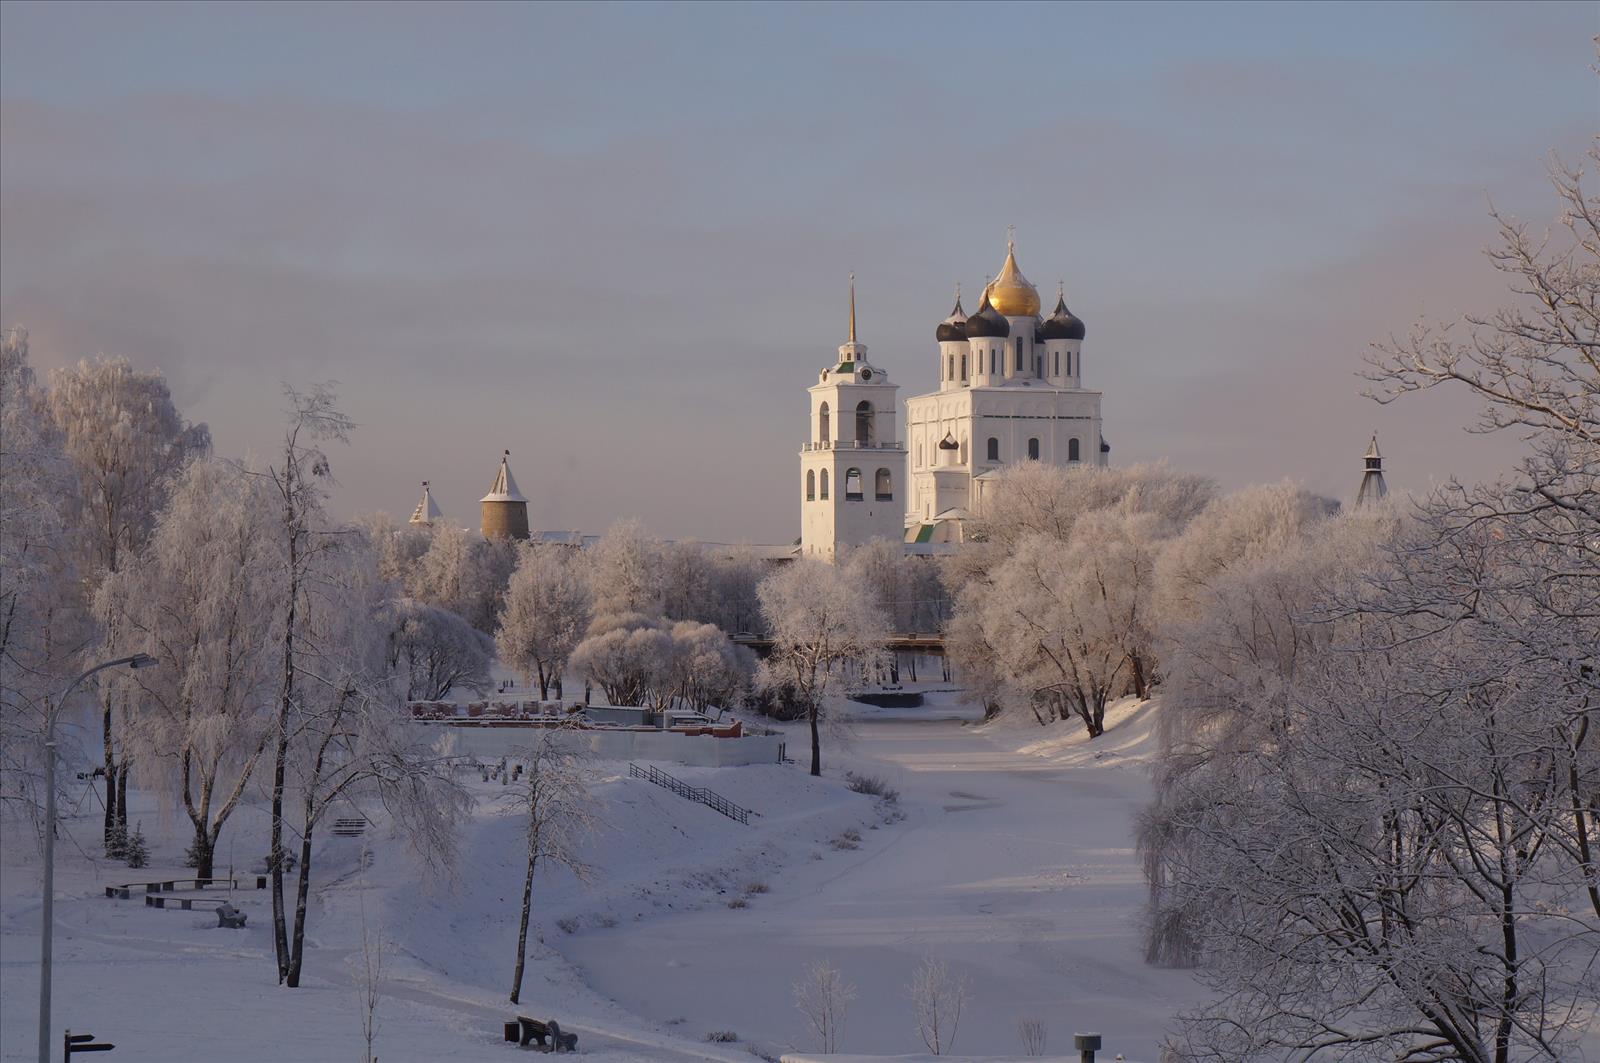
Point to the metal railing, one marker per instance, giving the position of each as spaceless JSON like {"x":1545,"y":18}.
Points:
{"x":709,"y":798}
{"x":850,"y":444}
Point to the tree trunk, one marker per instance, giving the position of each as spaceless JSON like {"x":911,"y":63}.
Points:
{"x":544,"y":685}
{"x":280,"y":760}
{"x":302,"y":891}
{"x":111,"y":772}
{"x":122,"y":797}
{"x":1141,"y":686}
{"x":522,"y":929}
{"x":816,"y":741}
{"x":204,"y":851}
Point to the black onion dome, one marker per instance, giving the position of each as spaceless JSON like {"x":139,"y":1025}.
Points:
{"x":950,"y":329}
{"x":987,"y":322}
{"x":1063,"y":324}
{"x":949,"y":443}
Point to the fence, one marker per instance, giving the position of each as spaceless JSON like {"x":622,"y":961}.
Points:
{"x":709,"y":798}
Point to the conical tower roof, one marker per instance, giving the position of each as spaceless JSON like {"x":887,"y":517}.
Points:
{"x":1372,"y":485}
{"x":505,"y":485}
{"x":427,"y":511}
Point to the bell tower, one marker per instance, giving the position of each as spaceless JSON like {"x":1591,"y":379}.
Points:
{"x":852,"y":466}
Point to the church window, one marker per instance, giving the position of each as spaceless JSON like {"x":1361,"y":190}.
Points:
{"x":963,"y":367}
{"x":991,"y":363}
{"x":994,"y":449}
{"x":822,"y":432}
{"x":1033,"y":448}
{"x":852,"y":486}
{"x":1018,"y":367}
{"x":1072,"y":450}
{"x":1058,"y":363}
{"x":811,"y":485}
{"x":863,"y":422}
{"x":883,"y":486}
{"x":824,"y":494}
{"x":919,"y":455}
{"x":1038,"y":365}
{"x":950,"y":369}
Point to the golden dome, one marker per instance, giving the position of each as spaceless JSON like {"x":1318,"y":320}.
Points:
{"x":1010,"y":293}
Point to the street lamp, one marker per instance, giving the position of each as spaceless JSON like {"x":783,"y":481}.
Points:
{"x":138,"y":660}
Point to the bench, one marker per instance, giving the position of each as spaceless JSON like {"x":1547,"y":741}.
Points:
{"x":525,"y":1031}
{"x":349,"y":828}
{"x":172,"y":885}
{"x":186,"y":904}
{"x":229,"y":917}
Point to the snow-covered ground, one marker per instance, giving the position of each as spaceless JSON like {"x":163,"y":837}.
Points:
{"x":1008,"y":854}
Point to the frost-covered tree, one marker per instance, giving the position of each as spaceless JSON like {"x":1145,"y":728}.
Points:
{"x":553,"y":794}
{"x":823,"y":997}
{"x":43,"y":624}
{"x":937,"y":1000}
{"x":707,"y":669}
{"x":202,"y":598}
{"x":625,"y":571}
{"x":630,"y":657}
{"x":351,"y":743}
{"x":463,"y":572}
{"x":827,"y":633}
{"x":712,"y":585}
{"x":545,"y":614}
{"x":126,"y":441}
{"x":434,"y":650}
{"x":1056,"y":606}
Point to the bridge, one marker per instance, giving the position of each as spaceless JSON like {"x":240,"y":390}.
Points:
{"x":904,"y":642}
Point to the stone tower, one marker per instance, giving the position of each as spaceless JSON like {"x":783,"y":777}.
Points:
{"x":504,"y":509}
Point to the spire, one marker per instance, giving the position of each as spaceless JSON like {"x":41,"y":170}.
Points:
{"x":852,"y":307}
{"x":505,"y":485}
{"x":1372,"y":486}
{"x":427,"y":511}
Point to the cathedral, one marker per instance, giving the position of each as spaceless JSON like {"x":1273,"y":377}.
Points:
{"x":1010,"y":390}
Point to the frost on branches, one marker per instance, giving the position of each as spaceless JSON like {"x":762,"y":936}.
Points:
{"x":1379,"y":798}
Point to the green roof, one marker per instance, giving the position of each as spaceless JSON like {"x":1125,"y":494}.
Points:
{"x":846,"y":367}
{"x":924,"y":534}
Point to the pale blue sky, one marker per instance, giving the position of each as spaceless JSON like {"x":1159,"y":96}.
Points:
{"x":615,"y":238}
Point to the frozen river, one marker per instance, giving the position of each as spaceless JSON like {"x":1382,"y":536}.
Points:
{"x":1018,"y":869}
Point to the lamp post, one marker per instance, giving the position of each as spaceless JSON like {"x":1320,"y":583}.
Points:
{"x":138,"y":660}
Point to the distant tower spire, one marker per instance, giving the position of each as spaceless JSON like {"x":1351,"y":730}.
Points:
{"x":427,"y":511}
{"x":852,"y":307}
{"x":1372,"y":486}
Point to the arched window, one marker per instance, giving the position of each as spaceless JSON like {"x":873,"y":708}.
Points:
{"x":1018,"y":367}
{"x":950,"y":368}
{"x":852,"y":486}
{"x":1033,"y":448}
{"x":1058,"y":363}
{"x":811,"y":485}
{"x":863,"y":422}
{"x":822,"y":433}
{"x":1072,"y":449}
{"x":963,"y":367}
{"x":883,"y":486}
{"x":991,"y":360}
{"x":994,"y":449}
{"x":824,"y":495}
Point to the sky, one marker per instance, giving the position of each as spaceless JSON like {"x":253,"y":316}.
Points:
{"x":615,"y":239}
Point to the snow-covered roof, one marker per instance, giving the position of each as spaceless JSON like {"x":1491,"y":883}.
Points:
{"x":505,"y":486}
{"x":427,"y":511}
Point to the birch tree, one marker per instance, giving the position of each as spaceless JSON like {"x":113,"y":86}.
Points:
{"x":201,"y":598}
{"x":125,"y":441}
{"x":43,"y":624}
{"x":434,"y":650}
{"x":554,"y":796}
{"x":827,"y":633}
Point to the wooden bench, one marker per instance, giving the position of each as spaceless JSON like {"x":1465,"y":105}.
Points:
{"x":185,"y":904}
{"x":349,"y":828}
{"x":526,"y":1031}
{"x":229,"y":917}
